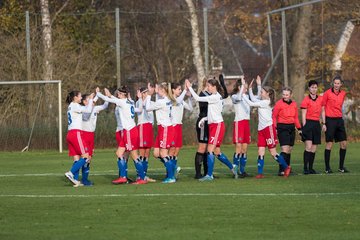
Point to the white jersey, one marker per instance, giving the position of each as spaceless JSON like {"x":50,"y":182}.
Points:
{"x":215,"y":106}
{"x":242,"y":109}
{"x":74,"y":114}
{"x":163,"y":107}
{"x":178,"y":109}
{"x":144,"y":116}
{"x":126,"y":110}
{"x":119,"y":126}
{"x":89,"y":119}
{"x":264,"y":111}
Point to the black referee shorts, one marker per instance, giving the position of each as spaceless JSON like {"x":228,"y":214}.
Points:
{"x":335,"y":130}
{"x":286,"y":134}
{"x":202,"y":133}
{"x":311,"y":132}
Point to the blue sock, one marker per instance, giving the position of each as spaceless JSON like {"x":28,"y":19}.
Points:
{"x":119,"y":166}
{"x":124,"y":167}
{"x":145,"y":164}
{"x":174,"y":162}
{"x":76,"y":174}
{"x":225,"y":160}
{"x":76,"y":167}
{"x":169,"y":168}
{"x":280,"y":159}
{"x":210,"y":162}
{"x":260,"y":164}
{"x":139,"y":169}
{"x":236,"y":159}
{"x":85,"y":172}
{"x":243,"y":161}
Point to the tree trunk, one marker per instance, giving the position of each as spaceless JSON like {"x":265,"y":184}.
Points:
{"x":198,"y":60}
{"x":341,"y":47}
{"x":300,"y":52}
{"x":46,"y":38}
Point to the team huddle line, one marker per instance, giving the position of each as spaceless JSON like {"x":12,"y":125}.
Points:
{"x":278,"y":123}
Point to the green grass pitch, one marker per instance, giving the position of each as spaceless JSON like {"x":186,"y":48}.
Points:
{"x":36,"y":201}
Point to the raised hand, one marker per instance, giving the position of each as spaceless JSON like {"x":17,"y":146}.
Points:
{"x":187,"y":84}
{"x":258,"y":80}
{"x":251,"y":83}
{"x":107,"y":92}
{"x":97,"y":89}
{"x":138,"y":94}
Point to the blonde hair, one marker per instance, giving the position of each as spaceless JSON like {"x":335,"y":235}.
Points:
{"x":167,"y":87}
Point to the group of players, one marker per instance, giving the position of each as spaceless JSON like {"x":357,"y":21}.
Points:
{"x":277,"y":122}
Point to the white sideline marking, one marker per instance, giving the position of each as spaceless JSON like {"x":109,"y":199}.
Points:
{"x":178,"y":195}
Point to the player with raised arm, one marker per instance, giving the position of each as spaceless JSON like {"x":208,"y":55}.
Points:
{"x":165,"y":135}
{"x":176,"y":119}
{"x":130,"y":138}
{"x":74,"y":138}
{"x":202,"y":128}
{"x":89,"y":126}
{"x":266,"y":129}
{"x":241,"y":126}
{"x":146,"y":134}
{"x":216,"y":126}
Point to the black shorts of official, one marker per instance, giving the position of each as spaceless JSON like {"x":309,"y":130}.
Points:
{"x":286,"y":134}
{"x":202,"y":133}
{"x":335,"y":130}
{"x":311,"y":131}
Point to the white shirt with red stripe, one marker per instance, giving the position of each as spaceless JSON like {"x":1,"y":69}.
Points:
{"x":178,"y":109}
{"x":126,"y":110}
{"x":162,"y":108}
{"x":90,"y":119}
{"x":119,"y":126}
{"x":144,"y":116}
{"x":74,"y":113}
{"x":242,"y":109}
{"x":264,"y":111}
{"x":215,"y":106}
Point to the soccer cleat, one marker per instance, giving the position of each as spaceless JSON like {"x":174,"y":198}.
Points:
{"x":69,"y":175}
{"x":177,"y":171}
{"x":328,"y":171}
{"x":312,"y":171}
{"x":120,"y":180}
{"x":244,"y":175}
{"x":169,"y":180}
{"x":140,"y":181}
{"x":259,"y":176}
{"x":150,"y":180}
{"x":87,"y":183}
{"x":235,"y":170}
{"x":78,"y":184}
{"x":198,"y":176}
{"x":206,"y":178}
{"x":281,"y":173}
{"x":306,"y":172}
{"x":343,"y":170}
{"x":287,"y":171}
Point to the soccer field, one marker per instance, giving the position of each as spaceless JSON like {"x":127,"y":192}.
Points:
{"x":38,"y":203}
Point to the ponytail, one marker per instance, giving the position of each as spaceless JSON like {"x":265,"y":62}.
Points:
{"x":219,"y":89}
{"x":170,"y":94}
{"x":272,"y":95}
{"x":167,"y":87}
{"x":83,"y":98}
{"x":71,"y":95}
{"x":236,"y":87}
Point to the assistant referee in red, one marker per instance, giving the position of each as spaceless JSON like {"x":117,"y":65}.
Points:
{"x":333,"y":123}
